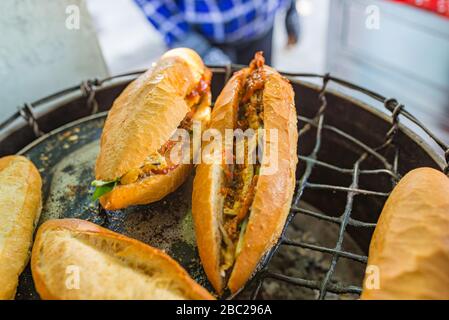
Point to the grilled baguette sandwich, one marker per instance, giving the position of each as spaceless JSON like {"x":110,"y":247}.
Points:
{"x":239,"y":210}
{"x":20,"y":208}
{"x":78,"y":260}
{"x":134,"y":165}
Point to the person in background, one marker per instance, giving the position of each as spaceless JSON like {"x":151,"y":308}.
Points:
{"x":221,"y":31}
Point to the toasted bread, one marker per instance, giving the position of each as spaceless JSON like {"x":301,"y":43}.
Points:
{"x":78,"y":260}
{"x":20,"y":208}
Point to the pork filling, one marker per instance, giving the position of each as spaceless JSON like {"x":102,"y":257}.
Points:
{"x":240,"y":180}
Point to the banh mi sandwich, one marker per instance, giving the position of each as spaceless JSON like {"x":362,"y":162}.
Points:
{"x":20,"y":209}
{"x":134,"y":165}
{"x":78,"y":260}
{"x":239,"y":210}
{"x":409,"y":251}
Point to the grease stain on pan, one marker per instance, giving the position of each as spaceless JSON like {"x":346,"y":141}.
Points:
{"x":70,"y":183}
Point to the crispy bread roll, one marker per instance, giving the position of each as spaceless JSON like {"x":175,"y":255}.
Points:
{"x":20,"y":208}
{"x":140,"y":124}
{"x":78,"y":260}
{"x":410,"y":246}
{"x":265,"y":201}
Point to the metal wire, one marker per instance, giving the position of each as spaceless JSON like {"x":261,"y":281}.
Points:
{"x":88,"y":90}
{"x":27,"y":113}
{"x":310,"y":161}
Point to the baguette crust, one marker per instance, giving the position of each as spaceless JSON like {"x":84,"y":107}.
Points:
{"x":147,"y":113}
{"x":111,"y":266}
{"x":224,"y":114}
{"x":273,"y":192}
{"x":207,"y":203}
{"x":20,"y":208}
{"x":410,"y":245}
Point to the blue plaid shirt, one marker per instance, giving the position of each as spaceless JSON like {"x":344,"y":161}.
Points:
{"x":220,"y":21}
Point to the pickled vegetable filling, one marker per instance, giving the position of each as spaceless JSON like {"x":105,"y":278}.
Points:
{"x":241,"y":179}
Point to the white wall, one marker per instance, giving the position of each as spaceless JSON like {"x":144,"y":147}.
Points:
{"x":129,"y":42}
{"x":406,"y":56}
{"x":39,"y":55}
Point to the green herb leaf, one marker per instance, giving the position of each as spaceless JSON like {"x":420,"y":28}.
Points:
{"x":102,"y":187}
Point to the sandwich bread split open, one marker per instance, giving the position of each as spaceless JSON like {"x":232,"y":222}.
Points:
{"x":134,"y":165}
{"x":78,"y":260}
{"x":239,"y":211}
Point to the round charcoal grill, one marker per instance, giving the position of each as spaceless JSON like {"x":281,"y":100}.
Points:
{"x":351,"y":156}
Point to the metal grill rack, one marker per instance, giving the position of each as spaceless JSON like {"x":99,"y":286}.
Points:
{"x":310,"y":161}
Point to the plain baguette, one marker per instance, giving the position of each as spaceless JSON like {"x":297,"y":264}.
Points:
{"x":20,"y":208}
{"x":410,"y":246}
{"x":111,"y":266}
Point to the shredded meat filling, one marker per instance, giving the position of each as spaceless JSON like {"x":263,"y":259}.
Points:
{"x":241,"y":179}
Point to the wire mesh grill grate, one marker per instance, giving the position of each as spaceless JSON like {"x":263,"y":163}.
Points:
{"x":343,"y":220}
{"x":311,"y":161}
